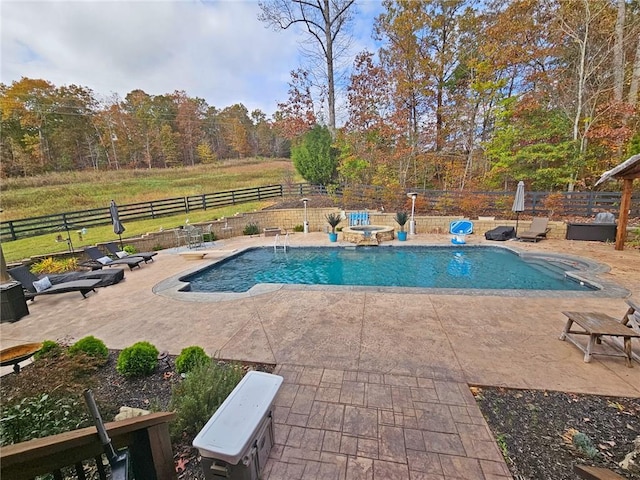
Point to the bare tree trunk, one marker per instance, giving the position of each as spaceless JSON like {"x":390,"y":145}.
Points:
{"x":618,"y":54}
{"x":635,"y":78}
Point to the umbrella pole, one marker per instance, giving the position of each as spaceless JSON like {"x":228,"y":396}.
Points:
{"x":69,"y":238}
{"x":120,"y":235}
{"x":517,"y":218}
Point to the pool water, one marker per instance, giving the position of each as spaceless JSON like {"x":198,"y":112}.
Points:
{"x":425,"y":267}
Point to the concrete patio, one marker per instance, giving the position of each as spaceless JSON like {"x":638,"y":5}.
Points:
{"x":376,"y":383}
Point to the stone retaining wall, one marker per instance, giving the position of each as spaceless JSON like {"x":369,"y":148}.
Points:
{"x":287,"y":219}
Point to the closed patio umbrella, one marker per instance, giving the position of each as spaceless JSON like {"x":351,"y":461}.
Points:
{"x":518,"y":203}
{"x":118,"y":228}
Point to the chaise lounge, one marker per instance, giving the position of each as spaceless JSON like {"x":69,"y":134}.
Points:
{"x":537,"y":231}
{"x":113,"y":250}
{"x":99,"y":260}
{"x":33,"y":286}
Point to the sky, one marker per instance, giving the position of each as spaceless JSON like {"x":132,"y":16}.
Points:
{"x":216,"y":50}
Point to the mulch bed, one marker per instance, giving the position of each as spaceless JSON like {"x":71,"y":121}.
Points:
{"x":536,"y":430}
{"x":533,"y":428}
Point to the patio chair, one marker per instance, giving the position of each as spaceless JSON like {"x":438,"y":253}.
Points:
{"x":99,"y":260}
{"x":537,"y":231}
{"x":34,"y":286}
{"x":114,"y":250}
{"x":460,"y":229}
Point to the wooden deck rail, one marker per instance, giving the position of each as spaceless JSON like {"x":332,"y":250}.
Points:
{"x":147,"y":438}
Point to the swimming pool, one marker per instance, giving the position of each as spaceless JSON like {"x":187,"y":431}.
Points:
{"x":471,"y":267}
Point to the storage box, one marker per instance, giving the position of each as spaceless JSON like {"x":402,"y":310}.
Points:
{"x":14,"y":305}
{"x":236,"y":441}
{"x":599,"y":232}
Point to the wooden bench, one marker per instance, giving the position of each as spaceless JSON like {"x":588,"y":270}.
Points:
{"x":595,"y":473}
{"x":629,"y":318}
{"x":597,"y":325}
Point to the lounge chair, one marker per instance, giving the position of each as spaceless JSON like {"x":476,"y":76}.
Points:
{"x":99,"y":260}
{"x":537,"y":231}
{"x":460,"y":229}
{"x":33,"y":286}
{"x":114,"y":250}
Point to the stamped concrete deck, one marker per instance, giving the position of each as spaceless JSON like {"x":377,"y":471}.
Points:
{"x":376,"y":383}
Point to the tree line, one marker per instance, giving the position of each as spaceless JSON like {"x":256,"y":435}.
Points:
{"x":460,"y":95}
{"x":468,"y":95}
{"x":47,"y":128}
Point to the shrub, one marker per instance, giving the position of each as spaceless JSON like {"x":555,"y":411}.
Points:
{"x":37,"y":417}
{"x":298,"y":228}
{"x":138,"y":360}
{"x":554,"y":204}
{"x":53,"y":265}
{"x":50,"y":349}
{"x":91,"y":346}
{"x":130,"y":249}
{"x":200,"y":394}
{"x":251,"y":229}
{"x":314,"y":156}
{"x":209,"y":237}
{"x":190,"y":357}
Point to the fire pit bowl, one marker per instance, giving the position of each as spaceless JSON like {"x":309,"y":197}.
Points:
{"x":15,"y":355}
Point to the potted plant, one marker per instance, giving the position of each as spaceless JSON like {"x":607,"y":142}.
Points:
{"x":401,"y":219}
{"x":333,"y":219}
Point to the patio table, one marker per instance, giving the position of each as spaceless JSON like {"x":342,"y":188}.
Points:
{"x":597,"y":325}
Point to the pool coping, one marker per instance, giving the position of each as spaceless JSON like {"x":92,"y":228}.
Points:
{"x":587,"y":271}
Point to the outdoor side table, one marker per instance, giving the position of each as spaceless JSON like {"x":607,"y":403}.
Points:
{"x":13,"y":303}
{"x":597,"y":325}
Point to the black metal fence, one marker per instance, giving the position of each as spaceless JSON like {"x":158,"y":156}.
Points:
{"x":34,"y":226}
{"x":441,"y":202}
{"x":435,"y":202}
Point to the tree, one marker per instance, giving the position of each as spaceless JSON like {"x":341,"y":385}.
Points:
{"x":326,"y":23}
{"x":314,"y":156}
{"x":296,"y":116}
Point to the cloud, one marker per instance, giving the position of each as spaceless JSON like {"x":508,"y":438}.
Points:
{"x":216,"y":50}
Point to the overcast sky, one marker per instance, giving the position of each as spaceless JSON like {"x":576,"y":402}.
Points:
{"x":216,"y":50}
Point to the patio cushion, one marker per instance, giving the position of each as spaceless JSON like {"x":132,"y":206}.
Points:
{"x":42,"y":284}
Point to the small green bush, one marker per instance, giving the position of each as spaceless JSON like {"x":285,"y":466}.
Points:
{"x":190,"y":357}
{"x":138,"y":360}
{"x":209,"y":237}
{"x":37,"y":417}
{"x":251,"y":229}
{"x":91,"y":346}
{"x":50,"y":349}
{"x":200,"y":394}
{"x":130,"y":249}
{"x":298,"y":228}
{"x":585,"y":445}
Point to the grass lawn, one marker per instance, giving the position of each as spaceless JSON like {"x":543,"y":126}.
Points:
{"x":71,"y":191}
{"x":44,"y":244}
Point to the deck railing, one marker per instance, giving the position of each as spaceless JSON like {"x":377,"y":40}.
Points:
{"x":146,"y":437}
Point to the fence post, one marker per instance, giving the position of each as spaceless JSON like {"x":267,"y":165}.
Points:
{"x":186,"y":204}
{"x":259,"y":194}
{"x":590,"y":203}
{"x":13,"y":231}
{"x":204,"y":201}
{"x":534,"y":200}
{"x":281,"y":191}
{"x":233,"y":197}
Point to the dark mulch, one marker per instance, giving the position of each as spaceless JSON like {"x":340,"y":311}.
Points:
{"x":532,"y":427}
{"x":535,"y":429}
{"x":111,"y":391}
